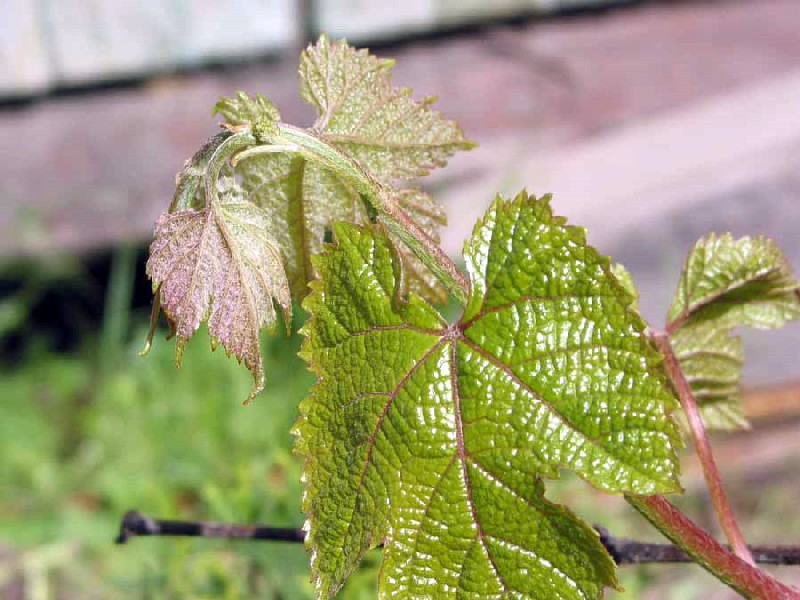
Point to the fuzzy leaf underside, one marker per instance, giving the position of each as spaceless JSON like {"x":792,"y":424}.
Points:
{"x":189,"y":191}
{"x":218,"y":264}
{"x":360,"y":111}
{"x":389,"y":135}
{"x":727,"y":283}
{"x":303,"y":200}
{"x":429,"y":215}
{"x":436,"y":437}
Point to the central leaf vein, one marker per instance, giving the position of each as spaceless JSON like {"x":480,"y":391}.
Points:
{"x":462,"y":456}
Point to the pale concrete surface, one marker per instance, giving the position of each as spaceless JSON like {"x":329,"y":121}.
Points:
{"x":613,"y":181}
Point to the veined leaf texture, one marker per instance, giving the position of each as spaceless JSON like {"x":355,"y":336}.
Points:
{"x":436,"y":437}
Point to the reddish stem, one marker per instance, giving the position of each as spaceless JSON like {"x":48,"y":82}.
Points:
{"x":676,"y":323}
{"x":710,"y":471}
{"x":746,"y":579}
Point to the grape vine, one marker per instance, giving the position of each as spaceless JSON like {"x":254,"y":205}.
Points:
{"x":434,"y":438}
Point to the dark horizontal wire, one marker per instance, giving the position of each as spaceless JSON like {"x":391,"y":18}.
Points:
{"x":624,"y":551}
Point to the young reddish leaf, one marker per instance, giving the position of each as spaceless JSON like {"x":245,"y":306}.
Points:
{"x":219,"y":264}
{"x":435,"y":438}
{"x":293,"y":200}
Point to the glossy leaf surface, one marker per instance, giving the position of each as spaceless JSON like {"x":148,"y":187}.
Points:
{"x":726,"y":283}
{"x":220,"y":265}
{"x":435,"y":438}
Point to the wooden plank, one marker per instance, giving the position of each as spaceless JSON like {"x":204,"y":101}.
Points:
{"x":773,"y":403}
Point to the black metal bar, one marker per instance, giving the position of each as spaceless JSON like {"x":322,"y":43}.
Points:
{"x":135,"y":523}
{"x":624,"y":551}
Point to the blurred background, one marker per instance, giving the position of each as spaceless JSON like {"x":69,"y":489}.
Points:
{"x":651,"y":122}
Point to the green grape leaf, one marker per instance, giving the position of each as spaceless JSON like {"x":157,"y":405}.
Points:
{"x":727,"y":283}
{"x":258,"y":113}
{"x":391,"y":135}
{"x":434,"y":438}
{"x":626,"y":281}
{"x":711,"y":360}
{"x":734,"y":282}
{"x":219,"y":264}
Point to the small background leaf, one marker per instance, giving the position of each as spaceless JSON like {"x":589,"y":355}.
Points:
{"x":747,"y":281}
{"x":727,"y":283}
{"x":436,"y":437}
{"x":711,"y":360}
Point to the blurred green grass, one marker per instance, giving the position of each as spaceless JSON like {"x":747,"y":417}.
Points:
{"x":82,"y":444}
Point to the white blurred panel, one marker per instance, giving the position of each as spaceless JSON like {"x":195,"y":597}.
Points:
{"x":93,"y":39}
{"x":375,"y":19}
{"x":368,"y":19}
{"x":24,"y":66}
{"x":53,"y":42}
